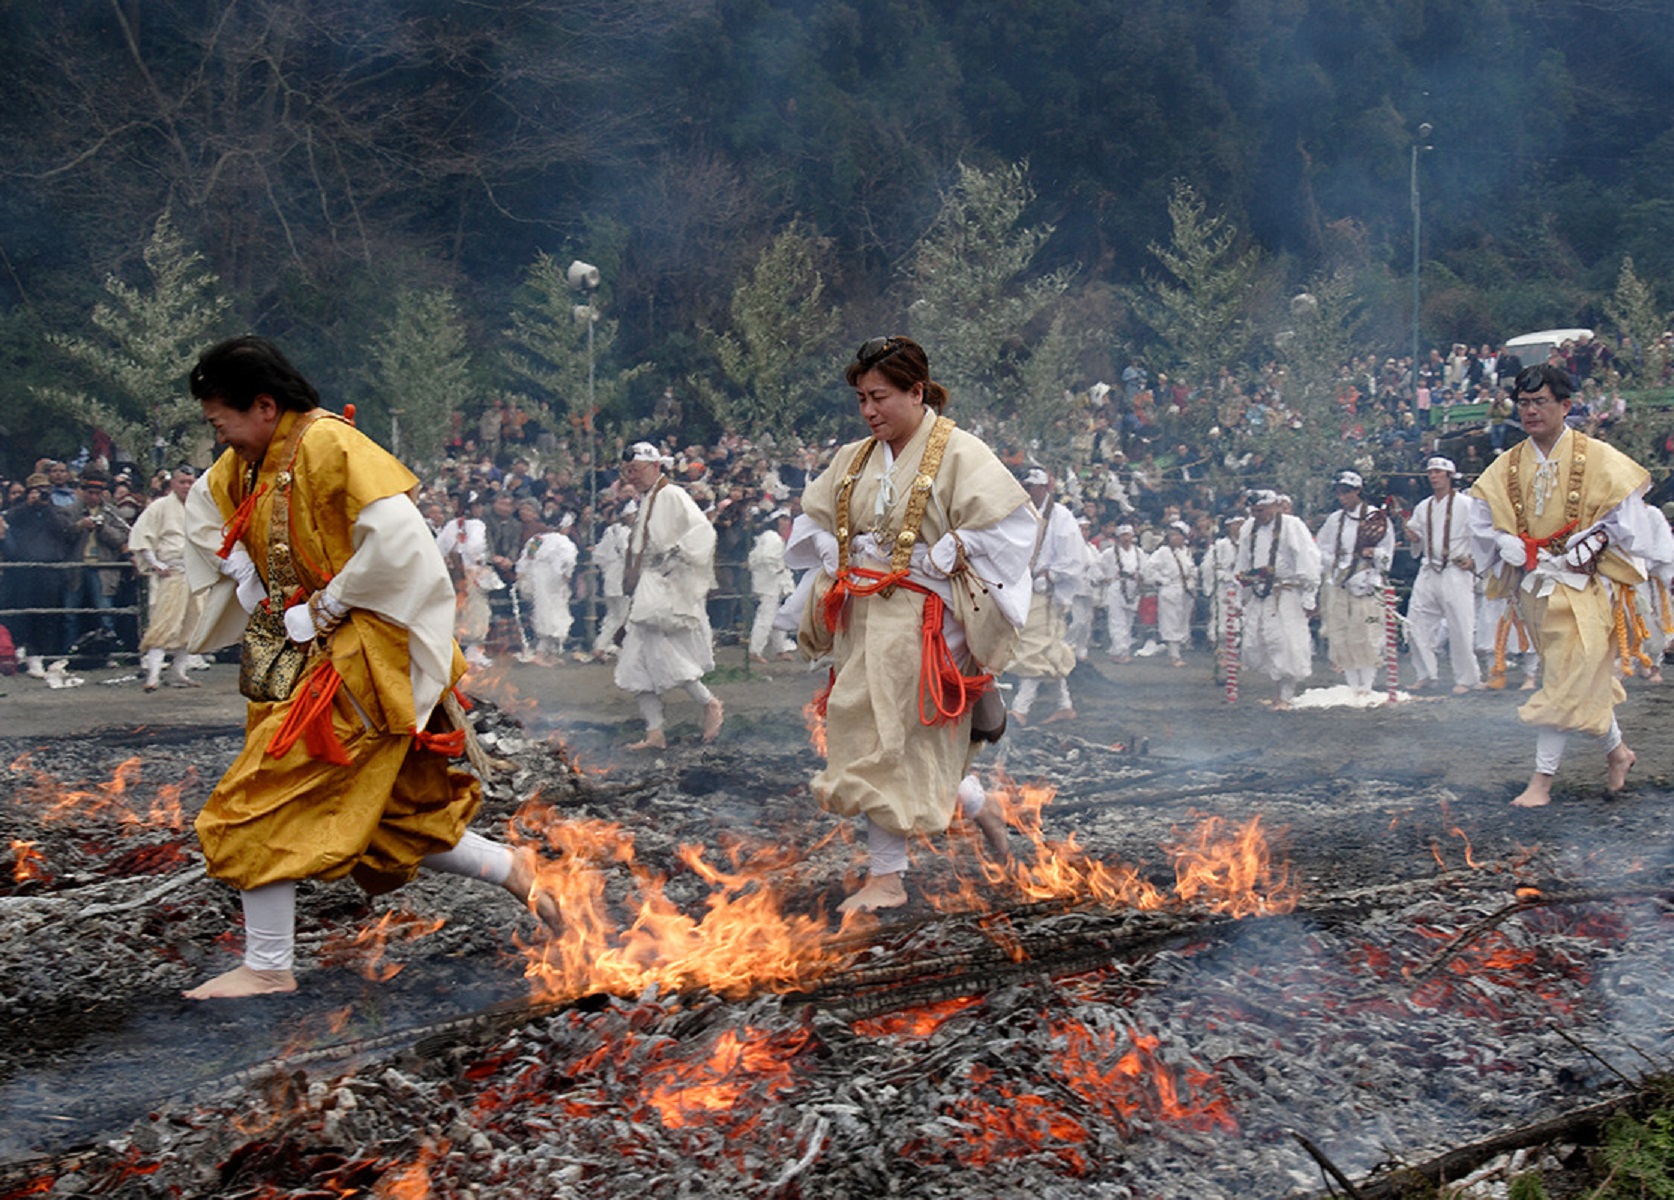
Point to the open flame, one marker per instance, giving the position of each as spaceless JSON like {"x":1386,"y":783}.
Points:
{"x":364,"y":950}
{"x":751,"y":1063}
{"x":112,"y":798}
{"x":814,"y":718}
{"x":744,"y":941}
{"x":1227,"y":869}
{"x":28,"y":863}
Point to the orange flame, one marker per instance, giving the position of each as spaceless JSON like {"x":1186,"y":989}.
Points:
{"x":814,"y":719}
{"x":364,"y":951}
{"x":1230,"y":872}
{"x":411,"y":1181}
{"x":755,"y":1062}
{"x":108,"y":798}
{"x":744,"y":941}
{"x":28,"y":863}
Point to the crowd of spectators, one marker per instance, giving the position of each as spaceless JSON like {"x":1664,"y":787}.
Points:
{"x":1146,"y":451}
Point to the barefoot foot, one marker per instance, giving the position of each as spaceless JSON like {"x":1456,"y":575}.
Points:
{"x":1061,"y":714}
{"x":1537,"y":794}
{"x":243,"y":981}
{"x":524,"y":882}
{"x":653,"y":740}
{"x":880,"y":891}
{"x":1619,"y":761}
{"x":713,"y":714}
{"x":993,"y":825}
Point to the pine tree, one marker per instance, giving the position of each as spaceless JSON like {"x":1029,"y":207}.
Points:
{"x":778,"y":353}
{"x":146,"y":343}
{"x":976,"y":300}
{"x":1633,"y":311}
{"x":1199,"y":311}
{"x":420,"y":373}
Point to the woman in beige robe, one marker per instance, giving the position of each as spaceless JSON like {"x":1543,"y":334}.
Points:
{"x":919,"y":516}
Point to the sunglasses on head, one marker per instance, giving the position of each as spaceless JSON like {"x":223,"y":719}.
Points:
{"x":1530,"y":379}
{"x":875,"y":350}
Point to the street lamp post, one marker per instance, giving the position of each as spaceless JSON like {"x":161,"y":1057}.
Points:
{"x":584,"y":278}
{"x":1418,"y":144}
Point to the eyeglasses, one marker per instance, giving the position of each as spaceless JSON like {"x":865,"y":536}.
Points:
{"x":1533,"y":401}
{"x":874,"y":351}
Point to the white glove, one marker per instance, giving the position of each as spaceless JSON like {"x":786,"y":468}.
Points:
{"x":1511,"y":549}
{"x":1580,"y":555}
{"x":300,"y":623}
{"x":241,"y":569}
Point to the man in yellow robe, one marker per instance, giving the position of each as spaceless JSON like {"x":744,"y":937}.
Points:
{"x":1561,"y":513}
{"x":349,"y":772}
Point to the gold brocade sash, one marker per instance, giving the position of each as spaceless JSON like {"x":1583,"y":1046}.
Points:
{"x":269,"y":663}
{"x":917,"y":500}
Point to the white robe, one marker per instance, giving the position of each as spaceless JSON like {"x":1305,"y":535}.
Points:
{"x":1275,"y":639}
{"x":1444,"y":591}
{"x":544,"y":570}
{"x":1173,"y":573}
{"x":668,"y":639}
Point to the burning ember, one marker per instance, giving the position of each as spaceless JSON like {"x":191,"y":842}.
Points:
{"x":28,"y":863}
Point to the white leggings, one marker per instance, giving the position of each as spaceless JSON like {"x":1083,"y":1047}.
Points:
{"x":1025,"y":698}
{"x":1549,"y":746}
{"x":270,"y":910}
{"x":888,"y":851}
{"x":651,"y":704}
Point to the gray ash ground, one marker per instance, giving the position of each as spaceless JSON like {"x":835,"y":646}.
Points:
{"x":1394,"y":822}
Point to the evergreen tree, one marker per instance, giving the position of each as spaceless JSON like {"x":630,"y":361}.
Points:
{"x":547,"y":349}
{"x":977,"y":302}
{"x":1633,"y":311}
{"x":146,"y":343}
{"x":1325,"y":322}
{"x":778,"y":352}
{"x":419,"y":373}
{"x":1200,"y":310}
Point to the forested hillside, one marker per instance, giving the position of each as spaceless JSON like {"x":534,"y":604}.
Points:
{"x":352,"y":174}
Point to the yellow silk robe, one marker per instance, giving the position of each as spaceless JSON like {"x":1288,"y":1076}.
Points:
{"x":296,"y":817}
{"x":1572,"y":629}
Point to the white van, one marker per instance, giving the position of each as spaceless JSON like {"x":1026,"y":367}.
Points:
{"x":1532,"y":348}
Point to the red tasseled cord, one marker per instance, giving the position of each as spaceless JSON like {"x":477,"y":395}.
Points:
{"x":310,"y":719}
{"x":240,"y":522}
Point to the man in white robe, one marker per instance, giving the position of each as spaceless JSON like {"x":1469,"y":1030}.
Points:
{"x":1171,"y":571}
{"x":1444,"y":591}
{"x":1353,"y":563}
{"x":770,"y":582}
{"x":157,"y":540}
{"x":1123,"y":567}
{"x":610,"y":556}
{"x":1278,"y":566}
{"x":1218,"y":578}
{"x":544,"y":571}
{"x":463,"y":542}
{"x":1079,"y":631}
{"x":670,"y":570}
{"x":1056,"y":569}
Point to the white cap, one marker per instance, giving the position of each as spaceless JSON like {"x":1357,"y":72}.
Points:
{"x":1037,"y":477}
{"x":1121,"y":529}
{"x":643,"y":452}
{"x":1263,"y":496}
{"x":1181,"y":526}
{"x":1439,"y":463}
{"x":1349,"y":479}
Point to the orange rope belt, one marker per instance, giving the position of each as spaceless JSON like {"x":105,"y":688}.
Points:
{"x":1533,"y":545}
{"x":309,"y":718}
{"x":945,"y":694}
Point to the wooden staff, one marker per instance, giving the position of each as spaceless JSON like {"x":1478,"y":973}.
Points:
{"x":1234,"y":618}
{"x":1391,"y":660}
